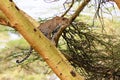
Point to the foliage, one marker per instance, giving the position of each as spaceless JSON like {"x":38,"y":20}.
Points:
{"x":94,"y":55}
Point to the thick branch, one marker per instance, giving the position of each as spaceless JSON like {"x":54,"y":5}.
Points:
{"x":3,"y":19}
{"x":77,"y":12}
{"x":33,"y":21}
{"x":117,"y":2}
{"x":39,"y":42}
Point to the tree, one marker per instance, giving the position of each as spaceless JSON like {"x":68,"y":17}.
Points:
{"x":25,"y":25}
{"x":51,"y":55}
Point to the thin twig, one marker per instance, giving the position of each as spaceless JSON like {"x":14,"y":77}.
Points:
{"x":68,"y":9}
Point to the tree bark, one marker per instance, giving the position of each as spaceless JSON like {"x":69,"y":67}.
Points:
{"x":118,"y":3}
{"x":3,"y":19}
{"x":58,"y":63}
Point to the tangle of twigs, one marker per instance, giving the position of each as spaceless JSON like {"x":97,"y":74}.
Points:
{"x":91,"y":51}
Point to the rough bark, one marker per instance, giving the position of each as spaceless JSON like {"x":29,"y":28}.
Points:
{"x":38,"y":41}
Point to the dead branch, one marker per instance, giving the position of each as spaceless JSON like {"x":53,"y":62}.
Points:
{"x":68,"y":9}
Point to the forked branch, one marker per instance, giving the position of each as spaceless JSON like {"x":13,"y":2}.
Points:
{"x":58,"y":63}
{"x":77,"y":12}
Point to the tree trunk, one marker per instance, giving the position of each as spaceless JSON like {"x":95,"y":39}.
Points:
{"x":58,"y":63}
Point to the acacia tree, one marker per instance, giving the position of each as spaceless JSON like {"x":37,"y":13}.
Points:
{"x":17,"y":20}
{"x":12,"y":16}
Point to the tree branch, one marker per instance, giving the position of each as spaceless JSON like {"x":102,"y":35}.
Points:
{"x":79,"y":9}
{"x":33,"y":21}
{"x":3,"y":19}
{"x":77,"y":12}
{"x":39,"y":42}
{"x":117,"y":2}
{"x":68,"y":9}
